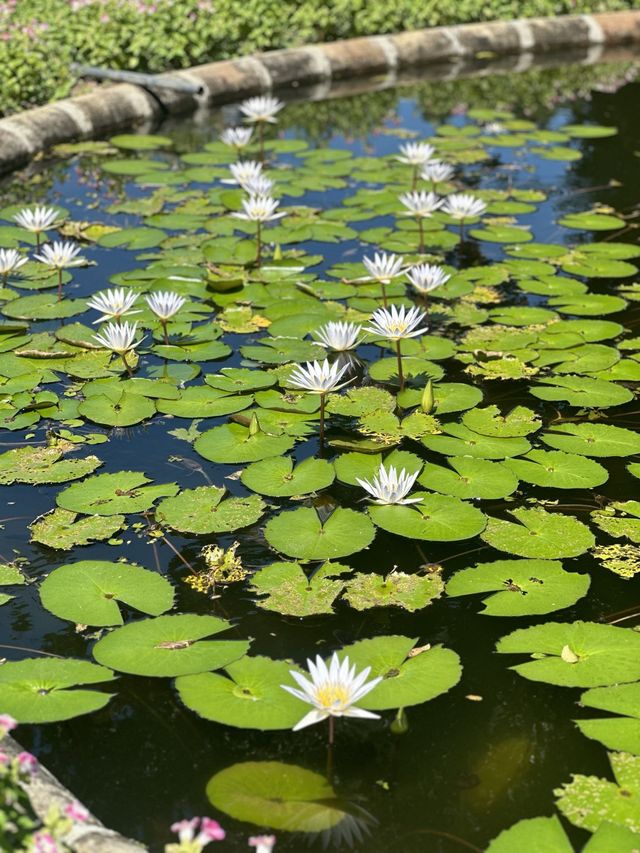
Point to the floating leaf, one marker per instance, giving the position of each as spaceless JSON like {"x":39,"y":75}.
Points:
{"x":539,"y":533}
{"x":593,"y":439}
{"x":582,"y":391}
{"x":300,"y":533}
{"x":554,"y":469}
{"x":591,"y":221}
{"x":237,"y":444}
{"x":397,"y":589}
{"x":120,"y":409}
{"x":289,"y":591}
{"x":459,"y":440}
{"x":168,"y":646}
{"x":518,"y":422}
{"x":535,"y":835}
{"x":63,"y":530}
{"x":620,"y":525}
{"x":87,"y":592}
{"x":438,"y":518}
{"x":42,"y":690}
{"x":112,"y":494}
{"x":621,"y":732}
{"x":42,"y":465}
{"x":277,"y":477}
{"x":521,"y":587}
{"x":469,"y":478}
{"x":204,"y":402}
{"x":599,"y":654}
{"x":353,"y":466}
{"x":202,"y":510}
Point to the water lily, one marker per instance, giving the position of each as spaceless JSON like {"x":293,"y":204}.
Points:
{"x":260,"y":111}
{"x":339,"y":336}
{"x":259,"y":209}
{"x":427,"y":277}
{"x":421,"y":205}
{"x":189,"y":841}
{"x":415,"y":154}
{"x":260,"y":185}
{"x":113,"y":304}
{"x":333,"y":691}
{"x":237,"y":137}
{"x":319,"y":378}
{"x":436,"y":171}
{"x":391,"y":486}
{"x":10,"y":262}
{"x":395,"y":324}
{"x":37,"y":219}
{"x":165,"y":304}
{"x":462,"y":206}
{"x":262,"y":843}
{"x":494,"y":127}
{"x":120,"y":338}
{"x":243,"y":172}
{"x":59,"y":256}
{"x":383,"y":268}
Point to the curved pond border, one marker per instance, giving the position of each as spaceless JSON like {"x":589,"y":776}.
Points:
{"x":111,"y":108}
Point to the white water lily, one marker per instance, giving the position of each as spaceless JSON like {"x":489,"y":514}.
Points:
{"x":383,"y":267}
{"x":260,"y":185}
{"x":494,"y":127}
{"x":113,"y":304}
{"x":420,"y":203}
{"x":243,"y":172}
{"x":463,"y":206}
{"x":37,"y":219}
{"x":333,"y":691}
{"x":237,"y":137}
{"x":415,"y":153}
{"x":437,"y":170}
{"x":119,"y":337}
{"x":318,"y":377}
{"x":260,"y":208}
{"x":10,"y":261}
{"x":262,"y":108}
{"x":165,"y":304}
{"x":426,"y":277}
{"x":391,"y":486}
{"x":60,"y":255}
{"x":339,"y":336}
{"x":397,"y":322}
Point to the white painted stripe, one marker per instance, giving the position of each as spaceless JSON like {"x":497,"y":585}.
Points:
{"x":525,"y":34}
{"x":321,"y":63}
{"x":260,"y":70}
{"x":596,"y":33}
{"x":389,"y":49}
{"x":456,"y":47}
{"x":77,"y":115}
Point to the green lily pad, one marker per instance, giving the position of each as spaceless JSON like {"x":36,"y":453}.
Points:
{"x":518,"y":422}
{"x":539,"y":533}
{"x":360,"y":401}
{"x":589,"y":802}
{"x":46,"y":690}
{"x":554,"y":469}
{"x":277,"y":477}
{"x":591,"y":221}
{"x":169,"y":646}
{"x":621,"y":732}
{"x":621,"y":525}
{"x":141,"y":141}
{"x":469,"y":478}
{"x":397,"y":589}
{"x":300,"y":533}
{"x":113,"y":494}
{"x":592,"y":439}
{"x":353,"y":466}
{"x":520,"y":587}
{"x":240,"y":380}
{"x":459,"y":440}
{"x":448,"y":397}
{"x":582,"y":391}
{"x":576,"y":654}
{"x":235,"y":443}
{"x":437,"y":518}
{"x":535,"y":835}
{"x":289,"y":591}
{"x":280,"y":796}
{"x":409,"y":676}
{"x":40,"y":306}
{"x":249,"y":696}
{"x":119,"y":409}
{"x":63,"y":530}
{"x":42,"y":465}
{"x":202,"y":510}
{"x":204,"y":402}
{"x":96,"y":588}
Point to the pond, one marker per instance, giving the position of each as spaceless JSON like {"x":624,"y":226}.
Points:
{"x":518,"y":415}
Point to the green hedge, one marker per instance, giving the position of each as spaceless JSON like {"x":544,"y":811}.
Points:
{"x":40,"y":38}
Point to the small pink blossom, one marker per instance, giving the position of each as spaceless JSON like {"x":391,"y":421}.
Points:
{"x":262,"y":843}
{"x":210,"y":830}
{"x":44,"y":842}
{"x":7,"y":724}
{"x":27,"y":763}
{"x":76,"y":812}
{"x":185,"y":829}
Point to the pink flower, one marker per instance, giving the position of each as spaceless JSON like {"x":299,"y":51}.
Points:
{"x":76,"y":812}
{"x":186,"y":829}
{"x":262,"y":843}
{"x":210,"y":830}
{"x":27,"y":763}
{"x":44,"y":842}
{"x":7,"y":724}
{"x":4,"y":759}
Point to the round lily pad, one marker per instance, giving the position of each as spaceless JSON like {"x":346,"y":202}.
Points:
{"x":120,"y":409}
{"x":459,"y":440}
{"x":204,"y":402}
{"x":535,"y":835}
{"x":277,"y":795}
{"x":410,"y":676}
{"x":447,"y":396}
{"x":619,"y":732}
{"x":112,"y":494}
{"x":519,"y":421}
{"x":538,"y":533}
{"x":397,"y":589}
{"x":249,"y":696}
{"x":469,"y":478}
{"x":438,"y":518}
{"x":277,"y":477}
{"x":592,"y":439}
{"x":168,"y":646}
{"x":42,"y":465}
{"x":576,"y":654}
{"x":46,"y":690}
{"x":235,"y":443}
{"x":203,"y":510}
{"x":353,"y":466}
{"x":63,"y":530}
{"x":554,"y":469}
{"x":97,"y":586}
{"x":302,"y":534}
{"x":520,"y":587}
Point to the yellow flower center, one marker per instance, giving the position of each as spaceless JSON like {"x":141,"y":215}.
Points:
{"x":332,"y":695}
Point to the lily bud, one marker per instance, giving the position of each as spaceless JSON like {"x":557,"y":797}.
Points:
{"x":428,"y":400}
{"x":254,"y":426}
{"x":277,"y":252}
{"x":400,"y":726}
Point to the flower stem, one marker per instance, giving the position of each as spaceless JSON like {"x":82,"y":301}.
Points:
{"x":421,"y":236}
{"x":59,"y":283}
{"x":261,"y":140}
{"x":414,"y":182}
{"x":400,"y":372}
{"x":165,"y":334}
{"x":331,"y":729}
{"x":322,"y":401}
{"x":384,"y":293}
{"x":123,"y":356}
{"x":258,"y":243}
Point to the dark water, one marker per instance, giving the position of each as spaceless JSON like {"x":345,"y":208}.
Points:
{"x":465,"y":769}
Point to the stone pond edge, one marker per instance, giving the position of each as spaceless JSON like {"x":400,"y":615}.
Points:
{"x":123,"y":106}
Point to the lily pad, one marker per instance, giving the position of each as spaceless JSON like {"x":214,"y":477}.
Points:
{"x":62,"y":529}
{"x":204,"y":402}
{"x":520,"y":587}
{"x":289,"y":591}
{"x":592,"y":439}
{"x":87,"y":592}
{"x":438,"y":518}
{"x":554,"y":469}
{"x":534,"y":835}
{"x":621,"y":732}
{"x":277,"y":477}
{"x":300,"y":533}
{"x":119,"y":410}
{"x":113,"y":494}
{"x":620,"y":519}
{"x":459,"y":440}
{"x":46,"y":690}
{"x":37,"y":465}
{"x":236,"y":443}
{"x":169,"y":646}
{"x":203,"y":510}
{"x":576,"y":654}
{"x":539,"y":533}
{"x":469,"y":478}
{"x":353,"y":466}
{"x":518,"y":422}
{"x":397,"y":589}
